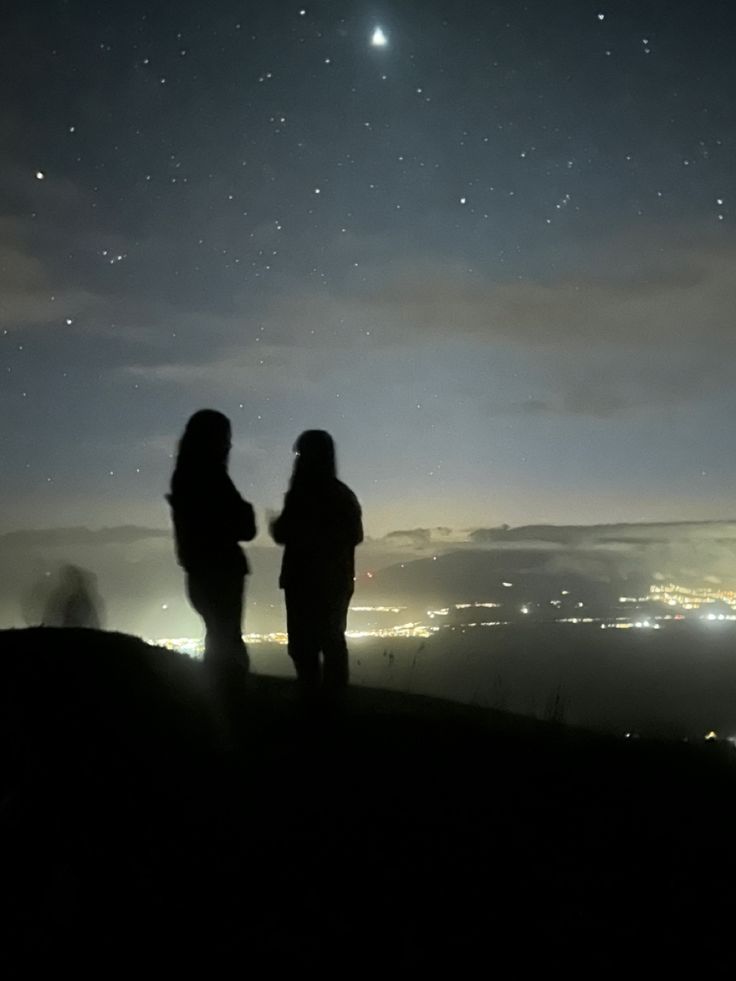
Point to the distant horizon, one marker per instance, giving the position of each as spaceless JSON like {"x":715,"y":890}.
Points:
{"x":163,"y":530}
{"x":143,"y":587}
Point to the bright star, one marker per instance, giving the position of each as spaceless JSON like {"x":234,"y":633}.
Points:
{"x":379,"y":39}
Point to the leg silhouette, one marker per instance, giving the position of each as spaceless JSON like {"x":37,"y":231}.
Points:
{"x":334,"y":646}
{"x":218,"y":598}
{"x":304,"y":638}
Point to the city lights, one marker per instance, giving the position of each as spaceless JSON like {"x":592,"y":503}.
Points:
{"x":665,"y":604}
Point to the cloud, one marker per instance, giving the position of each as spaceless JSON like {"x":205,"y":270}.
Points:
{"x":675,"y":294}
{"x":623,"y":556}
{"x":74,"y":537}
{"x":29,"y":296}
{"x":649,"y":532}
{"x":423,"y":539}
{"x":416,"y":537}
{"x":250,"y":367}
{"x":643,"y":323}
{"x":692,"y":550}
{"x":107,"y":297}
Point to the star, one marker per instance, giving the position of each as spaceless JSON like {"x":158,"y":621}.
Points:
{"x":378,"y":38}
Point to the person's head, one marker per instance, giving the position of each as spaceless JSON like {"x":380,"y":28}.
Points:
{"x":206,"y":440}
{"x":315,"y":457}
{"x":73,"y":578}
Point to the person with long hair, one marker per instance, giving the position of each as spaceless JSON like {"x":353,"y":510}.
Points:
{"x":210,"y":519}
{"x":319,"y":527}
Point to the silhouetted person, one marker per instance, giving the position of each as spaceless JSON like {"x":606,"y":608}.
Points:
{"x":210,"y":518}
{"x":74,"y":601}
{"x":319,"y":528}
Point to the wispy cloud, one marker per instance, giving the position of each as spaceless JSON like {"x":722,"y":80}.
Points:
{"x":72,"y":537}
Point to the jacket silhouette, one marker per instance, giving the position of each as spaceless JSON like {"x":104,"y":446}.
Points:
{"x":319,"y":527}
{"x":210,"y":519}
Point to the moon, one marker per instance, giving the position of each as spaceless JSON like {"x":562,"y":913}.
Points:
{"x":378,"y":38}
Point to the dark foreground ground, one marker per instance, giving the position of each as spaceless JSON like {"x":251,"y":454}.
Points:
{"x":390,"y":833}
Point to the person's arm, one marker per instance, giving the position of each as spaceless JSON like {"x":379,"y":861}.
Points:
{"x":246,"y":522}
{"x":241,"y":515}
{"x":356,"y":522}
{"x":280,"y":526}
{"x":349,"y":519}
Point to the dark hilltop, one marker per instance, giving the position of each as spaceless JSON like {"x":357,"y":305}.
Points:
{"x":389,"y":832}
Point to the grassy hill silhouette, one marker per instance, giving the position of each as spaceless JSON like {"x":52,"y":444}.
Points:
{"x":390,"y":832}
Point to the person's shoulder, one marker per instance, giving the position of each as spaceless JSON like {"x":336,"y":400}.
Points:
{"x":345,"y":493}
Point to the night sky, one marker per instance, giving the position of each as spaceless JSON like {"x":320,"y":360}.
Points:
{"x":493,"y":255}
